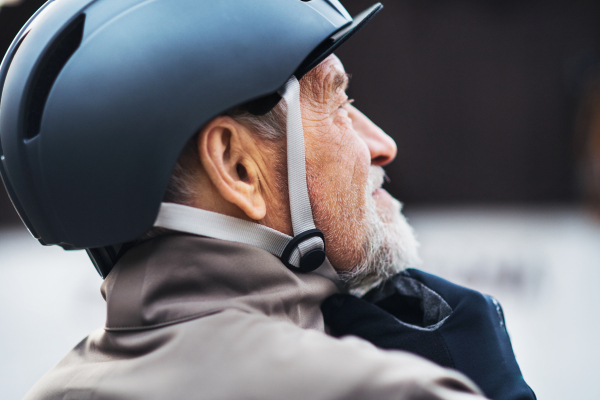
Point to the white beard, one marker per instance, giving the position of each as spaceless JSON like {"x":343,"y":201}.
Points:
{"x":390,"y":245}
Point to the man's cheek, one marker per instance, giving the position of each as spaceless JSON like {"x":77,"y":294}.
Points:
{"x":363,"y":158}
{"x":344,"y":124}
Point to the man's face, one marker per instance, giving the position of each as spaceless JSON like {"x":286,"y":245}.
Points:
{"x":367,"y":237}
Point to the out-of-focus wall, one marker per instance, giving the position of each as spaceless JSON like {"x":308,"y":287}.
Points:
{"x":8,"y":216}
{"x":480,"y":95}
{"x":13,"y":15}
{"x":489,"y":102}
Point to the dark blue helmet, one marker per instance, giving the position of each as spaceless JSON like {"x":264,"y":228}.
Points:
{"x":98,"y":98}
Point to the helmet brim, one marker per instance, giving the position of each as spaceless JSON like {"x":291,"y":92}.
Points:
{"x":264,"y":104}
{"x":328,"y":46}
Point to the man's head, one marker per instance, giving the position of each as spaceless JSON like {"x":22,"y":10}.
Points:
{"x":92,"y":125}
{"x":236,"y":166}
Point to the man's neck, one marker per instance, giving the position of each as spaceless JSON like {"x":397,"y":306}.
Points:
{"x":179,"y":277}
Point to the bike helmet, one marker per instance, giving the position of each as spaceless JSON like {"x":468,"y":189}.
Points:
{"x":99,"y":97}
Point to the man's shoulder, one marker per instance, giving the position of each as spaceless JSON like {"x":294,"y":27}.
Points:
{"x":234,"y":354}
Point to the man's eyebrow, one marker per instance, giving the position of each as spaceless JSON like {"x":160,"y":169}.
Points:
{"x":340,"y":81}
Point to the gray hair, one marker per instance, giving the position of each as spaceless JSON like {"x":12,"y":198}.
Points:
{"x":269,"y":128}
{"x":182,"y":188}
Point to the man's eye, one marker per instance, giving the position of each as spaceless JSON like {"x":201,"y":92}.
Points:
{"x":344,"y":104}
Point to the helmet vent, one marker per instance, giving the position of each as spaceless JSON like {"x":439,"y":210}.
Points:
{"x":10,"y":55}
{"x":53,"y":61}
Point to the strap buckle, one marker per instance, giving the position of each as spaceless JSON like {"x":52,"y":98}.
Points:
{"x":310,"y":261}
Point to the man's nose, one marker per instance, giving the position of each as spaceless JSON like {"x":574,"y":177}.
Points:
{"x":382,"y":147}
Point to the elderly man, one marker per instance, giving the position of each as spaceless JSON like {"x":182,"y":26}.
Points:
{"x":207,"y":157}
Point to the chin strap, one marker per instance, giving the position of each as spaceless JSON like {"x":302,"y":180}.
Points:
{"x":305,"y":252}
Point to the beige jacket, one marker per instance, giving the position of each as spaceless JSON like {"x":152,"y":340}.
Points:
{"x":197,"y":318}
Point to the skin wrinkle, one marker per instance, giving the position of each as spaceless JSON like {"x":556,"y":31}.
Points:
{"x":343,"y":211}
{"x":366,"y":236}
{"x":371,"y":238}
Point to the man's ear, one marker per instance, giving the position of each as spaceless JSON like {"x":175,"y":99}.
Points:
{"x":228,"y":154}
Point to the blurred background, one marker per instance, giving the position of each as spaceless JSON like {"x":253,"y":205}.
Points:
{"x":495,"y":106}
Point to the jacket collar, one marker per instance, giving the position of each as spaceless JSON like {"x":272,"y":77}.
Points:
{"x":177,"y":277}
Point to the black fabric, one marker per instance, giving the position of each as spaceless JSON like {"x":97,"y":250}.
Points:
{"x":472,"y":338}
{"x":405,"y":308}
{"x":410,"y":301}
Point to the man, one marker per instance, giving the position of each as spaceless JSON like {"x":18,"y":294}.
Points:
{"x":221,"y":297}
{"x":240,"y":334}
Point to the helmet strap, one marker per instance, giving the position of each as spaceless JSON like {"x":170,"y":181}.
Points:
{"x":305,"y":252}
